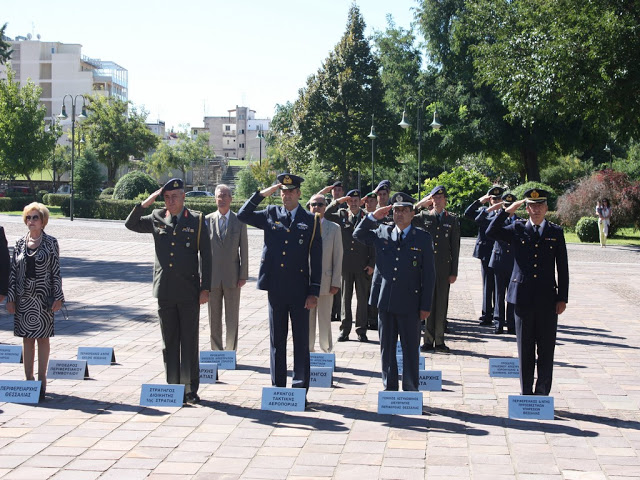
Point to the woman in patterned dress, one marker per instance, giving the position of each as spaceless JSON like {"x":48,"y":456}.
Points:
{"x":35,"y":289}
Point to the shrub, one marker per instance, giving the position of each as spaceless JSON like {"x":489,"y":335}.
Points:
{"x":40,"y":195}
{"x":463,"y":187}
{"x":16,"y":202}
{"x":587,"y":229}
{"x":564,"y":172}
{"x":133,"y":184}
{"x":623,"y":194}
{"x":246,"y":183}
{"x":553,"y":196}
{"x":107,"y":193}
{"x":55,"y":199}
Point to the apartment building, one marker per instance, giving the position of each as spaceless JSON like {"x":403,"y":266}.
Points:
{"x":61,"y":69}
{"x":236,"y":134}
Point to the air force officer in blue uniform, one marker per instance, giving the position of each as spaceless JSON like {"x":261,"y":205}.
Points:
{"x":290,"y":271}
{"x":540,"y":252}
{"x":402,"y":286}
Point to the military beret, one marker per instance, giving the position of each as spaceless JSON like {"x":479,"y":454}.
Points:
{"x":509,"y":198}
{"x":536,"y":195}
{"x":173,"y":184}
{"x":353,"y":193}
{"x":370,"y":195}
{"x":337,"y":184}
{"x":495,"y":191}
{"x":289,"y":181}
{"x":438,"y":190}
{"x":402,"y":199}
{"x":383,"y":185}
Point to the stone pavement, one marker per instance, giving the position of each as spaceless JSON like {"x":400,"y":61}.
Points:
{"x":96,"y":429}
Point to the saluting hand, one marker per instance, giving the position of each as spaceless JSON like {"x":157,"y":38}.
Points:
{"x":342,"y":199}
{"x":267,"y":192}
{"x":326,"y":190}
{"x":425,"y":202}
{"x":495,"y":206}
{"x":484,"y":198}
{"x":151,"y":198}
{"x":514,"y":206}
{"x":382,"y":212}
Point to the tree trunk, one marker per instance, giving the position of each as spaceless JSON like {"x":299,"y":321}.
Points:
{"x":529,"y":156}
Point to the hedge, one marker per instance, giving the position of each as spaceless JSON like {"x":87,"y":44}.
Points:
{"x":15,"y":203}
{"x":55,"y":199}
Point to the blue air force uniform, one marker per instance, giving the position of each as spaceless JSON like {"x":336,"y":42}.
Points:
{"x":402,"y":285}
{"x":535,"y":291}
{"x":290,"y":270}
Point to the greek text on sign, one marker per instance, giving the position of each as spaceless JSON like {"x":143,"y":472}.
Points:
{"x":321,"y":377}
{"x":286,"y":399}
{"x":531,"y":407}
{"x":208,"y":372}
{"x":10,"y":354}
{"x":323,"y":360}
{"x":401,"y":365}
{"x":97,"y":355}
{"x":20,"y":391}
{"x":504,"y":367}
{"x":430,"y":380}
{"x":226,"y":359}
{"x":161,"y":395}
{"x":400,"y":403}
{"x":69,"y":369}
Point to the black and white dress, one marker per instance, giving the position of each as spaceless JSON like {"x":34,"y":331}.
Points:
{"x":34,"y":283}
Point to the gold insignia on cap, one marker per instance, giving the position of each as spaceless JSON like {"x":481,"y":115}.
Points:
{"x":176,"y":184}
{"x":534,"y":194}
{"x":287,"y":180}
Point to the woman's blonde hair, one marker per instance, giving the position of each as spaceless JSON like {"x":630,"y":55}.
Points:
{"x":43,"y":210}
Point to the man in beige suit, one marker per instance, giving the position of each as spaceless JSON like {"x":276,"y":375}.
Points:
{"x":331,"y":277}
{"x":230,"y":269}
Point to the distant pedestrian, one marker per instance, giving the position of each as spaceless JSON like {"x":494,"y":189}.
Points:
{"x":603,"y":210}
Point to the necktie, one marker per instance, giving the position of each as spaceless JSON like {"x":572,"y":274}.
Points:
{"x":400,"y":237}
{"x":223,"y":227}
{"x":174,"y":220}
{"x":288,"y":219}
{"x":536,"y":234}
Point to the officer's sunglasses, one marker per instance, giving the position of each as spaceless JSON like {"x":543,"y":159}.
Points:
{"x":317,"y":204}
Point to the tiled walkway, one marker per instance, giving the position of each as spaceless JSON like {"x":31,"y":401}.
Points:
{"x":96,"y":429}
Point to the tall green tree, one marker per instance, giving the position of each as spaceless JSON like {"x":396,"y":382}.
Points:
{"x":25,"y":144}
{"x":88,"y":177}
{"x":59,"y":162}
{"x":332,"y":115}
{"x":183,"y":155}
{"x":5,"y":47}
{"x":116,"y":134}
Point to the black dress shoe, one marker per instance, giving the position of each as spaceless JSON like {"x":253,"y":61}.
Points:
{"x":499,"y":331}
{"x":335,"y":319}
{"x":511,"y":331}
{"x":191,"y":398}
{"x":442,"y":348}
{"x":343,"y":338}
{"x":486,"y":323}
{"x":427,"y":348}
{"x":362,"y":338}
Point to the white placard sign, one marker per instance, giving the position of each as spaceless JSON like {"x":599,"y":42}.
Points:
{"x":400,"y":403}
{"x":504,"y":367}
{"x":323,"y":360}
{"x":226,"y":359}
{"x":161,"y":395}
{"x":531,"y":407}
{"x":97,"y":355}
{"x":287,"y":399}
{"x":10,"y":354}
{"x":20,"y":391}
{"x":69,"y":369}
{"x":401,"y":365}
{"x":208,"y":372}
{"x":321,"y":377}
{"x":430,"y":380}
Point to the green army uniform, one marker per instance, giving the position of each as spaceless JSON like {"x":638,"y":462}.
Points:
{"x":177,"y":284}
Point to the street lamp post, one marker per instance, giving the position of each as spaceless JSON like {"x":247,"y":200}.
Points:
{"x":373,"y":137}
{"x":607,"y":149}
{"x":63,"y":116}
{"x":436,"y":125}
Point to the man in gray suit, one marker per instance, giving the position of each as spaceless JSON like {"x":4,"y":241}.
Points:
{"x":331,"y":277}
{"x":229,"y":269}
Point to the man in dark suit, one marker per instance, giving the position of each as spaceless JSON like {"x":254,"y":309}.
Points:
{"x":5,"y":265}
{"x":357,"y":264}
{"x":179,"y":236}
{"x":290,"y":272}
{"x":229,"y":269}
{"x":502,"y":264}
{"x":483,"y":249}
{"x":540,"y":253}
{"x":444,"y":228}
{"x":402,"y":287}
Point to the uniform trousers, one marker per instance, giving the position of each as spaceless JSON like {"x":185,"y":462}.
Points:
{"x":360,"y":280}
{"x":488,"y":287}
{"x":231,"y":298}
{"x":408,"y":326}
{"x":503,"y":315}
{"x":323,"y":313}
{"x":179,"y":324}
{"x":536,"y":327}
{"x":437,"y":320}
{"x":280,"y":310}
{"x":336,"y":306}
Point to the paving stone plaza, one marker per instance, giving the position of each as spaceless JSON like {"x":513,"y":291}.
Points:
{"x":96,"y":428}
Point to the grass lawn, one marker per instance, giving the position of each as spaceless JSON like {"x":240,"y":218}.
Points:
{"x":238,"y":163}
{"x":624,"y":236}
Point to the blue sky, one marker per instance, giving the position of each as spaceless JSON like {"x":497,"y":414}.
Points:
{"x":186,"y":59}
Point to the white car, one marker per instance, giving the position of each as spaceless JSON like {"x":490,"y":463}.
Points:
{"x":199,"y":193}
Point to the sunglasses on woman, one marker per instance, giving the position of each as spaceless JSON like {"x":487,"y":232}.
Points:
{"x":32,"y":217}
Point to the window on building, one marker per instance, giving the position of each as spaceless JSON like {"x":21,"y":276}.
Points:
{"x":226,"y":155}
{"x":227,"y":128}
{"x":241,"y":146}
{"x":242,"y":131}
{"x":227,"y":142}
